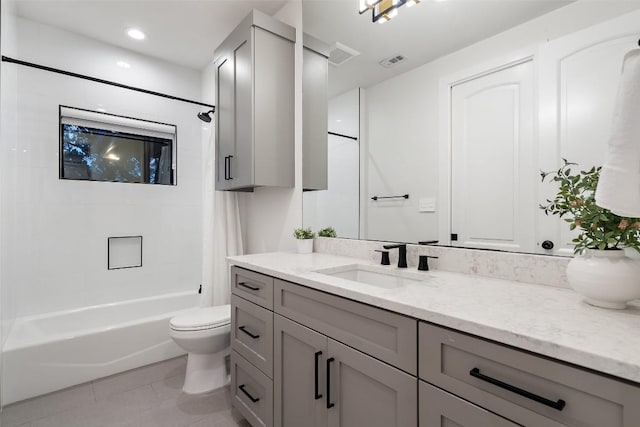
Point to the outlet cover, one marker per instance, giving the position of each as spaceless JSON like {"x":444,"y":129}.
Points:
{"x":427,"y":204}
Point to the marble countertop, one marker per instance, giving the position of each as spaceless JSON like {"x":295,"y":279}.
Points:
{"x":551,"y":321}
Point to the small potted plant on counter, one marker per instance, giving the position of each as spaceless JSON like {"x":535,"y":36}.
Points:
{"x":600,"y":269}
{"x":327,"y":232}
{"x":304,"y":238}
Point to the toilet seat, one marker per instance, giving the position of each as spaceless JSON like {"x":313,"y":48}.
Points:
{"x":202,"y":318}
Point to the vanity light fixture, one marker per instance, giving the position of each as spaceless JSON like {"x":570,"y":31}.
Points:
{"x":383,"y":10}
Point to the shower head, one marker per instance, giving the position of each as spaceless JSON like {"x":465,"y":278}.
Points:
{"x":205,"y":117}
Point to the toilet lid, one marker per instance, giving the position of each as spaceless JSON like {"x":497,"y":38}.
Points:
{"x":202,"y":318}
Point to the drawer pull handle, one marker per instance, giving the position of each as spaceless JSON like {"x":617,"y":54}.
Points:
{"x":329,"y":403}
{"x":316,"y":391}
{"x":244,"y":329}
{"x":244,"y":285}
{"x":253,"y":399}
{"x":559,"y":405}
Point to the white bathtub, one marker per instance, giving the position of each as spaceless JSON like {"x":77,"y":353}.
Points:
{"x":52,"y":351}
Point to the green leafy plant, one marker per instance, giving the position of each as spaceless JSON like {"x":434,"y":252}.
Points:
{"x":575,"y":203}
{"x":303,"y":233}
{"x":327,"y":232}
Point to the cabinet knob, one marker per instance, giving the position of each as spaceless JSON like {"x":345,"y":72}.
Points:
{"x":547,"y":244}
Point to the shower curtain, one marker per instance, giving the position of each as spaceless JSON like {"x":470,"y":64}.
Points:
{"x":222,"y":235}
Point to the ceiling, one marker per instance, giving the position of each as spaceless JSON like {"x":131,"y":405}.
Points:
{"x":422,"y":33}
{"x":184,"y":32}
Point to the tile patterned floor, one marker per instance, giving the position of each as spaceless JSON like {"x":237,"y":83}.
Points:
{"x":150,"y":396}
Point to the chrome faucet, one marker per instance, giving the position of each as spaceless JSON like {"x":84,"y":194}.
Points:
{"x":402,"y":253}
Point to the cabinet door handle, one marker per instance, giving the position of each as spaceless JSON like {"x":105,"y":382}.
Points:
{"x":244,"y":329}
{"x":244,"y":285}
{"x":226,"y":170}
{"x":253,"y":399}
{"x":329,"y":403}
{"x":230,"y":157}
{"x":316,"y":391}
{"x":559,"y":405}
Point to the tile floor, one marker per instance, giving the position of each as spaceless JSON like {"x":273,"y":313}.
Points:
{"x":145,"y":397}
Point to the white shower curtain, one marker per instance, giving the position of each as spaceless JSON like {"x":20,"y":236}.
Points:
{"x":222,"y":235}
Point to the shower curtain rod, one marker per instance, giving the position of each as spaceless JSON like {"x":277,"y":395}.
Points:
{"x":97,"y":80}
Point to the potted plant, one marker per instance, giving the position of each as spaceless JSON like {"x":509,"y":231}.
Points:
{"x":304,"y":238}
{"x":327,"y":232}
{"x":600,"y":269}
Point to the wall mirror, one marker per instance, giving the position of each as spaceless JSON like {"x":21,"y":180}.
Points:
{"x":441,"y":119}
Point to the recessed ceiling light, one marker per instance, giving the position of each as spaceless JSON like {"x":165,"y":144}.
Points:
{"x":134,"y":33}
{"x":123,"y":64}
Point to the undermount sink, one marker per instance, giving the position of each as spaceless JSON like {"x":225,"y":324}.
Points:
{"x":381,"y":277}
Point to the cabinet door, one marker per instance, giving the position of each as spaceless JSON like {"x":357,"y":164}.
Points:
{"x":225,"y":116}
{"x":362,"y":391}
{"x":234,"y":116}
{"x":439,"y":408}
{"x":240,"y":165}
{"x":315,"y":107}
{"x":299,"y":360}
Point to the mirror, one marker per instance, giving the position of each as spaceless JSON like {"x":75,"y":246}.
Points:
{"x":454,"y":107}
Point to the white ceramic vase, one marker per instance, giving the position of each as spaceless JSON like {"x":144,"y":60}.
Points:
{"x":606,"y":279}
{"x":305,"y":246}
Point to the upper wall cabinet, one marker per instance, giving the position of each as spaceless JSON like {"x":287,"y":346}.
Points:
{"x":255,"y":105}
{"x":315,"y":104}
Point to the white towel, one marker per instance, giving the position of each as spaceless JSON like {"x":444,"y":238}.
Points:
{"x":619,"y":185}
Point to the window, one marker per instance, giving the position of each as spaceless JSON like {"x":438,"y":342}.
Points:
{"x":97,"y":146}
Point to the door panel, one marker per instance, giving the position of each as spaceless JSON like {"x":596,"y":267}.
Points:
{"x":241,"y":164}
{"x":225,"y":129}
{"x":367,"y":392}
{"x":492,"y":162}
{"x":299,"y":392}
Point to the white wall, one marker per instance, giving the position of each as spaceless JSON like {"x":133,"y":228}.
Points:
{"x":403,"y":120}
{"x":8,"y":101}
{"x":54,"y":232}
{"x":269,"y":215}
{"x":338,"y":206}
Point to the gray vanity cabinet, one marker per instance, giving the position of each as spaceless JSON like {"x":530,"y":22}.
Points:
{"x":254,"y":117}
{"x":315,"y":107}
{"x":529,"y":390}
{"x":320,"y":382}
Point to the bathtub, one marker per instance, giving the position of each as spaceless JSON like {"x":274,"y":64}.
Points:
{"x":52,"y":351}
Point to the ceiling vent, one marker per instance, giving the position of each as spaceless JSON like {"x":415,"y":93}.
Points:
{"x":392,"y":61}
{"x":341,"y":54}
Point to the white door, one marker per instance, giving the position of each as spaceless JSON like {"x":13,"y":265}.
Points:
{"x":493,"y":162}
{"x":579,"y":77}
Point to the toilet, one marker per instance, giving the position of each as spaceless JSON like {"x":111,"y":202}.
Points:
{"x":205,"y":334}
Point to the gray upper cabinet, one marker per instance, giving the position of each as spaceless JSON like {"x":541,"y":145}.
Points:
{"x":315,"y":106}
{"x":254,"y":69}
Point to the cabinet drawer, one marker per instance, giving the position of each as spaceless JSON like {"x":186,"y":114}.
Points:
{"x":252,"y":335}
{"x":251,"y":392}
{"x":523,"y":387}
{"x":384,"y":335}
{"x":251,"y":286}
{"x":441,"y":409}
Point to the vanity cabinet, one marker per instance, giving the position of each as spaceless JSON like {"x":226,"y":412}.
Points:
{"x":315,"y":114}
{"x":302,"y":357}
{"x":527,"y":389}
{"x":254,"y":117}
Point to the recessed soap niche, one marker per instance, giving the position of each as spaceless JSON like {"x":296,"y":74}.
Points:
{"x":124,"y":252}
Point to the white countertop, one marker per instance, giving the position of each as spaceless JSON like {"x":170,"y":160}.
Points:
{"x":551,"y":321}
